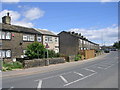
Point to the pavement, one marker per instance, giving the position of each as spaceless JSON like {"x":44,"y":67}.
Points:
{"x":99,"y":72}
{"x":30,"y":71}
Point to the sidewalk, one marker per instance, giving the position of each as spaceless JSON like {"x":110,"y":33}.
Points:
{"x":35,"y":70}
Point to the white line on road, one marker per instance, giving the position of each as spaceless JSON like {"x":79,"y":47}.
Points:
{"x":11,"y":88}
{"x":79,"y":74}
{"x":39,"y":84}
{"x":89,"y":69}
{"x":79,"y":79}
{"x":63,"y":79}
{"x":53,"y":76}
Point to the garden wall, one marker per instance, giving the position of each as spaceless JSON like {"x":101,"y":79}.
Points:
{"x":42,"y":62}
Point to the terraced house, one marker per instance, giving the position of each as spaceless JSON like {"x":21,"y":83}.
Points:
{"x":14,"y":39}
{"x":72,"y":43}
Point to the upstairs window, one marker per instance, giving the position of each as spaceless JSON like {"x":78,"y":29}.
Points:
{"x":48,"y":39}
{"x":24,"y":37}
{"x":5,"y":35}
{"x":28,"y":37}
{"x":39,"y":38}
{"x":8,"y":35}
{"x":56,"y":39}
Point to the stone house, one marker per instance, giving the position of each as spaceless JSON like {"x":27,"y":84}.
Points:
{"x":15,"y":39}
{"x":50,"y":40}
{"x":72,"y":43}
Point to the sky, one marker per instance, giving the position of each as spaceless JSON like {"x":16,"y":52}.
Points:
{"x":97,"y":21}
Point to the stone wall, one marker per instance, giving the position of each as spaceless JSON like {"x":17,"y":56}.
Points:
{"x":42,"y":62}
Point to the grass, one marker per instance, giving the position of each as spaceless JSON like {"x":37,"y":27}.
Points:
{"x":11,"y":65}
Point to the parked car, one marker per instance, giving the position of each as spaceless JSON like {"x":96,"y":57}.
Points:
{"x":107,"y":51}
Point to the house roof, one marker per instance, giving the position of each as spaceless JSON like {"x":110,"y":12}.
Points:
{"x":77,"y":36}
{"x":16,"y":28}
{"x":46,"y":32}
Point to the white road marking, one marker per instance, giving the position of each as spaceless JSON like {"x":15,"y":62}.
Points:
{"x":89,"y":69}
{"x":11,"y":88}
{"x":53,"y":76}
{"x":79,"y":74}
{"x":39,"y":84}
{"x":79,"y":79}
{"x":100,"y":67}
{"x":63,"y":79}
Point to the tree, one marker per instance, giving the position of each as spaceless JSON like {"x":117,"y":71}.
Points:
{"x":117,"y":45}
{"x":35,"y":50}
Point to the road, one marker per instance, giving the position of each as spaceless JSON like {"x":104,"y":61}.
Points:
{"x":99,"y":73}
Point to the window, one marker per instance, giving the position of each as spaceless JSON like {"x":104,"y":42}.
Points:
{"x":39,"y":38}
{"x":48,"y":39}
{"x":8,"y":53}
{"x":32,"y":38}
{"x":24,"y":37}
{"x":8,"y":35}
{"x":0,"y":35}
{"x":28,"y":38}
{"x":56,"y":46}
{"x":56,"y":39}
{"x":5,"y":53}
{"x":3,"y":35}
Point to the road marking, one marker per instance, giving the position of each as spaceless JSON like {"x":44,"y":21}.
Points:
{"x":80,"y":79}
{"x":11,"y":88}
{"x":79,"y":74}
{"x":53,"y":76}
{"x":89,"y":69}
{"x":39,"y":84}
{"x":63,"y":79}
{"x":100,"y":67}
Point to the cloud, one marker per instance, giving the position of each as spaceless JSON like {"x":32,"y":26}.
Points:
{"x":105,"y":35}
{"x":23,"y":23}
{"x":14,"y":14}
{"x":23,"y":20}
{"x":34,"y":13}
{"x":9,"y":1}
{"x":109,"y":0}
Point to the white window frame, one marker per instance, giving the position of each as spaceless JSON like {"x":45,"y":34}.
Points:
{"x":8,"y":53}
{"x":25,"y":37}
{"x":3,"y":35}
{"x":39,"y":38}
{"x":0,"y":34}
{"x":32,"y":37}
{"x":8,"y":35}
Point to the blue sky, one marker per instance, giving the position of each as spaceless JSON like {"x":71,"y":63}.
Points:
{"x":81,"y":17}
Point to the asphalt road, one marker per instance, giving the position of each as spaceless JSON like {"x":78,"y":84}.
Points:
{"x":100,"y":73}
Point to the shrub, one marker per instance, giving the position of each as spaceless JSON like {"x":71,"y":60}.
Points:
{"x":35,"y":50}
{"x":11,"y":65}
{"x":77,"y":57}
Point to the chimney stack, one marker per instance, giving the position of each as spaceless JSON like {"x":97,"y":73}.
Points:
{"x":6,"y":19}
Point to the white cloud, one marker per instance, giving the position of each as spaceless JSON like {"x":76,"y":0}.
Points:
{"x":23,"y":23}
{"x":14,"y":14}
{"x":34,"y":13}
{"x":9,"y":1}
{"x":17,"y":19}
{"x":106,"y":35}
{"x":109,"y":0}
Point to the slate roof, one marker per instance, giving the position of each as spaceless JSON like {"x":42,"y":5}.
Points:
{"x":15,"y":28}
{"x":46,"y":32}
{"x":78,"y":37}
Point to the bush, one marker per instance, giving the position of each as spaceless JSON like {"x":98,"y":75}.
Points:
{"x":11,"y":65}
{"x":52,"y":54}
{"x":35,"y":50}
{"x":77,"y":57}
